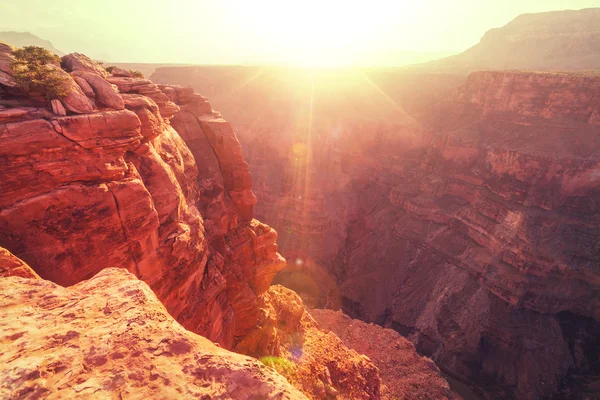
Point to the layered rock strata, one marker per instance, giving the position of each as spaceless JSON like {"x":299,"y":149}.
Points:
{"x":472,"y":230}
{"x":119,"y":187}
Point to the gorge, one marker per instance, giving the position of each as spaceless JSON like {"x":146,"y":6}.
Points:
{"x":427,"y":232}
{"x":460,"y":209}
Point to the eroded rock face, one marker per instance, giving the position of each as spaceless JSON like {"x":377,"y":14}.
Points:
{"x":111,"y":337}
{"x":473,"y":233}
{"x":316,"y":362}
{"x":404,"y":374}
{"x":121,"y":188}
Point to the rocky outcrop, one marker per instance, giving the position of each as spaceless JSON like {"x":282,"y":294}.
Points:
{"x":12,"y":266}
{"x":6,"y":60}
{"x":76,"y":62}
{"x":404,"y":374}
{"x":148,"y":89}
{"x":125,"y":178}
{"x":318,"y":363}
{"x":110,"y":336}
{"x":470,"y":229}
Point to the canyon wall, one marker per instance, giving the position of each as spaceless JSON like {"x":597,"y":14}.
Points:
{"x":123,"y":176}
{"x":469,"y":226}
{"x":492,"y":258}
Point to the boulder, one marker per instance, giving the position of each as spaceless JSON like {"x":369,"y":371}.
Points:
{"x":75,"y":101}
{"x":80,"y":62}
{"x":116,"y":71}
{"x":106,"y":93}
{"x":87,"y":89}
{"x":57,"y":107}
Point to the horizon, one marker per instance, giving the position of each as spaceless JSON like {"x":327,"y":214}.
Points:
{"x":267,"y":32}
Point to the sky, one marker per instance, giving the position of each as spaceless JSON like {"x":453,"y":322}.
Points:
{"x":265,"y":31}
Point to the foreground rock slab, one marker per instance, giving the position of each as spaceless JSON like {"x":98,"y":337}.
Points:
{"x":110,"y":337}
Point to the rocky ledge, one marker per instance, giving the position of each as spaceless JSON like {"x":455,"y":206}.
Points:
{"x":110,"y":337}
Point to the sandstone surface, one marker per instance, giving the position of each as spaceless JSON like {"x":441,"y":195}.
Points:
{"x":110,"y":337}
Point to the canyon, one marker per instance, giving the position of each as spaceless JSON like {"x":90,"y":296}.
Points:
{"x":131,"y":262}
{"x":460,"y":211}
{"x":440,"y":226}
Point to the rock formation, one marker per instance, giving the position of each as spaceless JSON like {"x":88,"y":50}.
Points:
{"x":317,"y":363}
{"x":122,"y":176}
{"x":110,"y":337}
{"x":404,"y":374}
{"x":470,"y":226}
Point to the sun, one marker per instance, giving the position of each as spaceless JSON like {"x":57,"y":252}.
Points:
{"x":309,"y":33}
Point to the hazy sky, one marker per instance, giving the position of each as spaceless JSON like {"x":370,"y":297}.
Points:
{"x":236,"y":31}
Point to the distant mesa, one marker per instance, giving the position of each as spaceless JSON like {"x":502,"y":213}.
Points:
{"x":21,"y":39}
{"x":557,"y":40}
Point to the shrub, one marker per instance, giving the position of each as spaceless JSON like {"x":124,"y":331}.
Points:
{"x":136,"y":74}
{"x":32,"y":71}
{"x":110,"y":69}
{"x":281,"y":365}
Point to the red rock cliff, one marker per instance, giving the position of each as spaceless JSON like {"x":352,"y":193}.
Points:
{"x":117,"y":186}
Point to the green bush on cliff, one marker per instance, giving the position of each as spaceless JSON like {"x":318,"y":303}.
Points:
{"x":136,"y":74}
{"x":281,"y":365}
{"x":110,"y":69}
{"x":31,"y":71}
